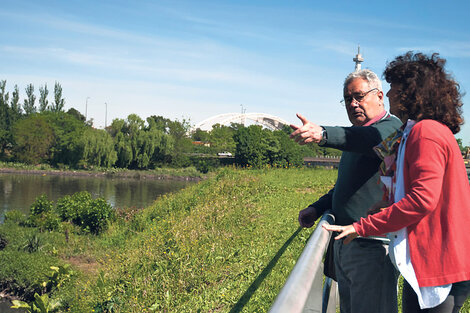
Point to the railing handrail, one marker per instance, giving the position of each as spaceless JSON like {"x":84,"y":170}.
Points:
{"x":303,"y":289}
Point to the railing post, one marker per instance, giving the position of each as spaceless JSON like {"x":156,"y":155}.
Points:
{"x":330,"y":296}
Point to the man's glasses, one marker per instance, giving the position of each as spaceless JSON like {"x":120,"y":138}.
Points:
{"x":357,"y":96}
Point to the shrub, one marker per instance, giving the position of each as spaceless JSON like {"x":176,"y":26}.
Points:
{"x":69,"y":207}
{"x":42,"y":215}
{"x":92,"y":215}
{"x":95,"y":216}
{"x":15,"y":216}
{"x":40,"y":205}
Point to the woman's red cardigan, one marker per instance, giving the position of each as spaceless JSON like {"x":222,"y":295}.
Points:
{"x":435,"y":209}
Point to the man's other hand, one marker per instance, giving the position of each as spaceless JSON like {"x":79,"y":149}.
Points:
{"x":308,"y":216}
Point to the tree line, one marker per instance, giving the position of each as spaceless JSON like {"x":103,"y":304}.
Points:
{"x":44,"y":133}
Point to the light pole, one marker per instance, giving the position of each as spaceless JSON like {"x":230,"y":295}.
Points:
{"x":106,"y":116}
{"x":86,"y":108}
{"x":242,"y":116}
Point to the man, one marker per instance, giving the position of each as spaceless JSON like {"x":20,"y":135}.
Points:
{"x":366,"y":278}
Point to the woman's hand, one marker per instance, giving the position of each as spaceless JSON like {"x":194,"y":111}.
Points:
{"x":345,"y":231}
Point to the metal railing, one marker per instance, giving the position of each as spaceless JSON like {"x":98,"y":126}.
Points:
{"x":305,"y":290}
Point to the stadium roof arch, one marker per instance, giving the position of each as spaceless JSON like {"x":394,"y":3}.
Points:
{"x":269,"y":121}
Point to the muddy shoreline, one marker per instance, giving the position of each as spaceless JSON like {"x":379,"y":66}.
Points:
{"x":123,"y":175}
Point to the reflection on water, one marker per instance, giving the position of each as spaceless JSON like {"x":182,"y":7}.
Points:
{"x":18,"y":191}
{"x":5,"y":307}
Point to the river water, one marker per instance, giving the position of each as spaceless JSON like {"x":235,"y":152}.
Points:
{"x":18,"y":191}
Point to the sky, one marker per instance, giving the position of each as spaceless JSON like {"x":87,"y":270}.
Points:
{"x":195,"y":59}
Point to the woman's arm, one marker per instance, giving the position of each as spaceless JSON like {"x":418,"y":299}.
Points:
{"x":425,"y":161}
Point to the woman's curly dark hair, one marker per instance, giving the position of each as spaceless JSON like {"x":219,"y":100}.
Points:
{"x":426,"y":90}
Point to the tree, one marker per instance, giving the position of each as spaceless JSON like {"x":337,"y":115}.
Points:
{"x":251,"y":146}
{"x":98,"y":148}
{"x":221,"y":138}
{"x":75,"y":113}
{"x":200,"y":135}
{"x":160,"y":123}
{"x":29,"y":103}
{"x":179,"y":131}
{"x":68,"y":131}
{"x":165,"y":145}
{"x":138,"y":145}
{"x":258,"y":147}
{"x":180,"y":140}
{"x":14,"y":103}
{"x":289,"y":152}
{"x":34,"y":138}
{"x":43,"y":102}
{"x":59,"y":102}
{"x":4,"y":117}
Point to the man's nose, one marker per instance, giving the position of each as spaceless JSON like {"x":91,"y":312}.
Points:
{"x":354,"y":103}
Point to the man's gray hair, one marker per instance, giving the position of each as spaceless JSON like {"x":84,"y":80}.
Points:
{"x":367,"y":75}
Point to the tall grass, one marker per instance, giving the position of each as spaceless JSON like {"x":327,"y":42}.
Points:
{"x":218,"y":246}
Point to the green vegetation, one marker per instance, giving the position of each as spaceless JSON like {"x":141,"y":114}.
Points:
{"x":226,"y":243}
{"x":80,"y":209}
{"x":45,"y":134}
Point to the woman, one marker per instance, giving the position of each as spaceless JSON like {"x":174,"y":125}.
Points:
{"x":427,"y":188}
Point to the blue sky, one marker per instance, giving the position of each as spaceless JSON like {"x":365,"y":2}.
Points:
{"x":195,"y":59}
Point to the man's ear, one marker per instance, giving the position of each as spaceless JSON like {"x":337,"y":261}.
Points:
{"x":380,"y":94}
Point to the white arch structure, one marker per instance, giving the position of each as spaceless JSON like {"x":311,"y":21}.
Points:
{"x":270,"y":121}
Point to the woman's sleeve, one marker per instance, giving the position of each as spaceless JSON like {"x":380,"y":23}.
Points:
{"x":425,"y":160}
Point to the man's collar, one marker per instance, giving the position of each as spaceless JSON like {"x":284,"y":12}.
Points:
{"x":376,"y":119}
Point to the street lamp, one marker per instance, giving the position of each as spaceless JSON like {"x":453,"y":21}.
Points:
{"x":86,"y":109}
{"x":106,"y":116}
{"x":242,"y":116}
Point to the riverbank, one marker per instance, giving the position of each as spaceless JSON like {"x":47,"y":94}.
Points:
{"x":226,"y":243}
{"x":188,"y":174}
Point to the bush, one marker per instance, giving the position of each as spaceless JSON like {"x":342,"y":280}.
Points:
{"x":41,"y":205}
{"x":42,"y":215}
{"x":69,"y":207}
{"x":15,"y":216}
{"x":95,"y":216}
{"x":80,"y":209}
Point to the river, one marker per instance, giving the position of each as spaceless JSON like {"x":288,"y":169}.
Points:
{"x":18,"y":191}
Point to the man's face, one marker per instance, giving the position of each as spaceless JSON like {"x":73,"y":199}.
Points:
{"x":371,"y":104}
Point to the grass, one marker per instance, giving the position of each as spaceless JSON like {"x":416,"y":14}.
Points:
{"x":225,"y":244}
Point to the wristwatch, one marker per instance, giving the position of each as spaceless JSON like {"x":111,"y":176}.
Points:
{"x":324,"y":137}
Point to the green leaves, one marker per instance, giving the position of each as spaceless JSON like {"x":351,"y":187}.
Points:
{"x":257,"y":147}
{"x":92,"y":215}
{"x":34,"y":138}
{"x":137,"y":146}
{"x":41,"y":304}
{"x":98,"y":148}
